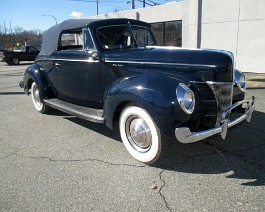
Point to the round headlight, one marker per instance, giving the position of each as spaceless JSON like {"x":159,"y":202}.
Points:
{"x":240,"y":80}
{"x":186,"y":98}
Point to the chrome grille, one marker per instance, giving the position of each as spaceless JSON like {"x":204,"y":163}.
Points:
{"x":223,"y":93}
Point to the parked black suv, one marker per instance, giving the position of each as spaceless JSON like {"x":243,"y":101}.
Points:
{"x":27,"y":53}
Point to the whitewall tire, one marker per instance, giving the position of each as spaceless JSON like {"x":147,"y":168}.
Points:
{"x":36,"y":99}
{"x":140,"y":135}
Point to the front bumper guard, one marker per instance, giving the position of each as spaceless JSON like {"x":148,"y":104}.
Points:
{"x":184,"y":135}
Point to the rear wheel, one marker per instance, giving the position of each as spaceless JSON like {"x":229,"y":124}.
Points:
{"x":140,"y":135}
{"x":15,"y":61}
{"x":37,"y":100}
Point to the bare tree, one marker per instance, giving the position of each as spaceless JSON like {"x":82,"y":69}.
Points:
{"x":17,"y":36}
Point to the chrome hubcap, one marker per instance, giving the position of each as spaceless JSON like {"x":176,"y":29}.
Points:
{"x":15,"y":61}
{"x":138,"y":133}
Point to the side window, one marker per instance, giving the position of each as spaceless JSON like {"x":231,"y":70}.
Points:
{"x":71,"y":41}
{"x":23,"y":49}
{"x":32,"y":49}
{"x":88,"y":41}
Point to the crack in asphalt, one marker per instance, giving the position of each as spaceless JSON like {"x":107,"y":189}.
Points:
{"x":260,"y":130}
{"x":163,"y":167}
{"x":251,"y":148}
{"x":160,"y":190}
{"x":11,"y":152}
{"x":235,"y":154}
{"x":101,"y":161}
{"x":8,"y":156}
{"x":79,"y":160}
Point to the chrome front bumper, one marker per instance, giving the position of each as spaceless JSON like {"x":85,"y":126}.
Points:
{"x":184,"y":135}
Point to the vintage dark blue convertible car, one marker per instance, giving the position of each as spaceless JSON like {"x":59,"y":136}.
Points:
{"x":113,"y":70}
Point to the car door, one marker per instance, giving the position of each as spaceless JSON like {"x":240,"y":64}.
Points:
{"x":32,"y":53}
{"x":78,"y":72}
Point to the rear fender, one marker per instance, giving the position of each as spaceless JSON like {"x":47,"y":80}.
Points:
{"x":156,"y":94}
{"x":34,"y":73}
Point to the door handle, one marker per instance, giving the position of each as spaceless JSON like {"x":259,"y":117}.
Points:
{"x":57,"y":65}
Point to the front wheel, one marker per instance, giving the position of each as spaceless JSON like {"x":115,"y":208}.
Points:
{"x":140,"y":135}
{"x":36,"y":99}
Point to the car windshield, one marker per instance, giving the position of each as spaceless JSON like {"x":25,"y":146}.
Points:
{"x":119,"y":36}
{"x":143,"y":36}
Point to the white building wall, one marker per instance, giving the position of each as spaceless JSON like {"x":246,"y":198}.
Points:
{"x":234,"y":25}
{"x":189,"y":24}
{"x":237,"y":26}
{"x":220,"y":24}
{"x":251,"y":39}
{"x":166,"y":12}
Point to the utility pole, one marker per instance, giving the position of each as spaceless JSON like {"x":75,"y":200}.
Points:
{"x":10,"y":27}
{"x":143,"y":3}
{"x":133,"y":5}
{"x":5,"y":27}
{"x":97,"y":7}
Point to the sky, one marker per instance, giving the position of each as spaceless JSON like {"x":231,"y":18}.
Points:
{"x":28,"y":14}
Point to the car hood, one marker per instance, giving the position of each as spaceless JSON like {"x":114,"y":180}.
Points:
{"x":200,"y":64}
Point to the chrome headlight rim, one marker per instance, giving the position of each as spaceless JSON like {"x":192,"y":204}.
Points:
{"x":186,"y":98}
{"x":240,"y":80}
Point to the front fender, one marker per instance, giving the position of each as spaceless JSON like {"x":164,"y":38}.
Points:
{"x":156,"y":94}
{"x":34,"y":73}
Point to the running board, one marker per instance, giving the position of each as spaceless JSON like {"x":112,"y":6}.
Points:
{"x":90,"y":114}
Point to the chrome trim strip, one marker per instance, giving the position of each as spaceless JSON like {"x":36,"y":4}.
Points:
{"x":70,"y":60}
{"x":213,"y":83}
{"x":157,"y":63}
{"x":184,"y":135}
{"x":173,"y":47}
{"x":219,"y":83}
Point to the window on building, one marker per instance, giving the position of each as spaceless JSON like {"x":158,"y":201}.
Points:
{"x":168,"y":33}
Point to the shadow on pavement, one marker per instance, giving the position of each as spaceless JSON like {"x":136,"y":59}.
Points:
{"x":240,"y":156}
{"x":255,"y":88}
{"x":257,"y":80}
{"x":11,"y":93}
{"x":20,"y":64}
{"x":99,"y":128}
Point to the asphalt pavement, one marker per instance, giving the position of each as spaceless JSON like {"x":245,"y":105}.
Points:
{"x":57,"y":162}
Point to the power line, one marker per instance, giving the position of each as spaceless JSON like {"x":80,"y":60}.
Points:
{"x":96,"y":1}
{"x":145,"y":2}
